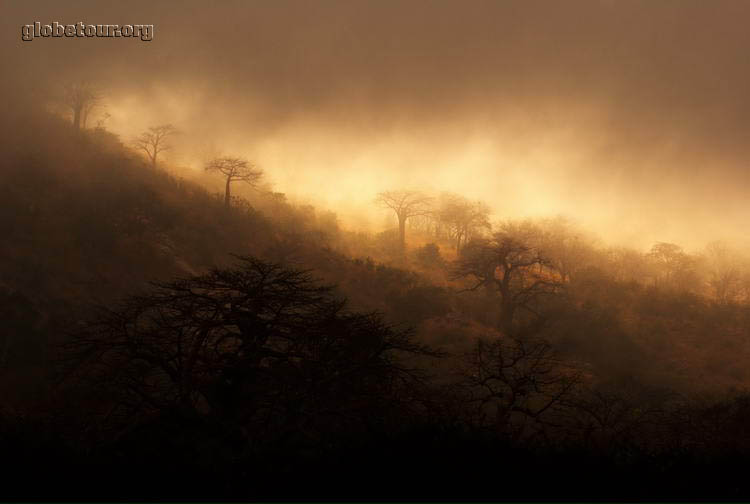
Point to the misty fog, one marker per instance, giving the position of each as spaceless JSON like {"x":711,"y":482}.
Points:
{"x":629,"y":117}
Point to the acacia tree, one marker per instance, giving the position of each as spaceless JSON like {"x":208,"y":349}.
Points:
{"x":514,"y":266}
{"x":235,"y":170}
{"x":405,"y":204}
{"x":81,"y":98}
{"x":154,"y":140}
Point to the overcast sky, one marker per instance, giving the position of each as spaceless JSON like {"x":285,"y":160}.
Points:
{"x":631,"y":117}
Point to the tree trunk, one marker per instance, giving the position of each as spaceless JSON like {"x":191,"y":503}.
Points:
{"x":507,"y":307}
{"x":402,"y":232}
{"x":227,"y":196}
{"x":155,"y":147}
{"x":506,"y":318}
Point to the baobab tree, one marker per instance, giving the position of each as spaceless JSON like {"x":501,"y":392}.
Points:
{"x":81,"y":98}
{"x":405,"y":204}
{"x":235,"y":169}
{"x":154,"y":141}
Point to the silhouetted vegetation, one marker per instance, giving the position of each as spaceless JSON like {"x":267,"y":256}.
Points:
{"x":140,"y":358}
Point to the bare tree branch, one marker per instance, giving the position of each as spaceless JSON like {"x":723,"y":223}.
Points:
{"x":235,"y":169}
{"x":153,"y":141}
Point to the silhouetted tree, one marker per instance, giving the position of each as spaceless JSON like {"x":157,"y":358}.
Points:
{"x":261,"y":351}
{"x":674,"y":268}
{"x":235,"y":170}
{"x":515,"y":268}
{"x":725,"y":272}
{"x":627,"y":265}
{"x":623,"y":417}
{"x":80,"y":98}
{"x":566,"y":246}
{"x":405,"y":204}
{"x":463,"y":218}
{"x":519,"y":385}
{"x":154,"y":141}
